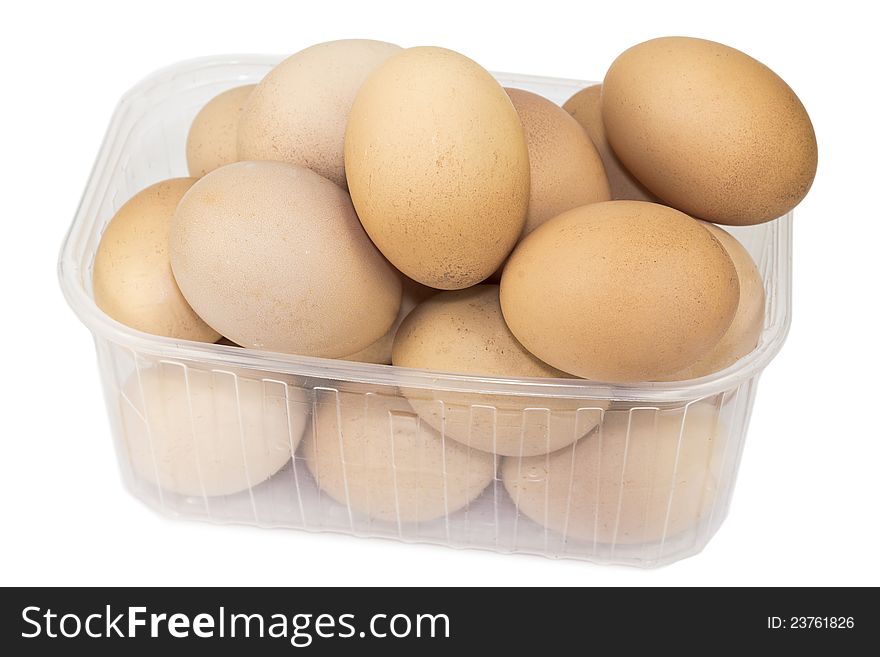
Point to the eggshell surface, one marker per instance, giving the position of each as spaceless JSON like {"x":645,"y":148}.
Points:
{"x":640,"y":477}
{"x":275,"y":258}
{"x":709,"y":130}
{"x":380,"y":351}
{"x":212,"y":141}
{"x":298,"y":112}
{"x":197,"y":432}
{"x":438,"y":167}
{"x":464,"y":331}
{"x":744,"y":332}
{"x":564,"y":167}
{"x":586,"y":108}
{"x":371,"y":453}
{"x":132,"y":278}
{"x":621,"y":291}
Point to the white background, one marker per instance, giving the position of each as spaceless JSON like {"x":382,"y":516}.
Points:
{"x":806,"y":505}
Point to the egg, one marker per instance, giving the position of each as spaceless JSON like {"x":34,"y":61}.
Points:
{"x":709,"y":130}
{"x":380,"y":351}
{"x":586,"y":108}
{"x":198,"y":432}
{"x":132,"y":278}
{"x":298,"y":112}
{"x":620,"y":291}
{"x":564,"y":168}
{"x":212,"y":140}
{"x":744,"y":332}
{"x":642,"y":476}
{"x":273,"y":257}
{"x":463,"y":331}
{"x":438,"y":167}
{"x":371,"y":453}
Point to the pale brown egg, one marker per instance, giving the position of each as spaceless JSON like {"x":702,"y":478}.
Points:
{"x":199,"y":432}
{"x":744,"y":332}
{"x":273,"y":257}
{"x":380,"y":351}
{"x":621,"y":291}
{"x":371,"y":453}
{"x":132,"y":278}
{"x":212,"y":141}
{"x":586,"y":108}
{"x":463,"y":331}
{"x":709,"y":130}
{"x":564,"y":168}
{"x":298,"y":112}
{"x":438,"y":167}
{"x":640,"y":477}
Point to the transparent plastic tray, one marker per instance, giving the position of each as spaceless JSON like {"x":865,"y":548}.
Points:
{"x":191,"y":421}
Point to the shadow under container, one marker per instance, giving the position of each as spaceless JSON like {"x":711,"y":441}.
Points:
{"x":641,"y":474}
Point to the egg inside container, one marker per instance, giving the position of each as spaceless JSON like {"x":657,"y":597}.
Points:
{"x":379,"y":352}
{"x":132,"y":278}
{"x":205,"y":433}
{"x":438,"y":168}
{"x":565,"y":169}
{"x":273,"y":257}
{"x":298,"y":112}
{"x":371,"y":453}
{"x":621,"y":291}
{"x":586,"y":108}
{"x":464,"y":331}
{"x":744,"y":331}
{"x":643,"y":475}
{"x":212,"y":141}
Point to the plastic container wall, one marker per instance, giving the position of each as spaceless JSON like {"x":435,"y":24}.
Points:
{"x":640,"y":474}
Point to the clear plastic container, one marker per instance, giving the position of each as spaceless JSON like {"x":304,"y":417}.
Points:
{"x":224,"y":434}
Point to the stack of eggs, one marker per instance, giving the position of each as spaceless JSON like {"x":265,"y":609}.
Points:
{"x":398,"y":206}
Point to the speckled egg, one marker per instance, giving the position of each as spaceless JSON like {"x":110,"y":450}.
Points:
{"x":463,"y":331}
{"x":298,"y":112}
{"x":132,"y":277}
{"x":212,"y":141}
{"x":564,"y":168}
{"x":745,"y":330}
{"x":273,"y":257}
{"x":438,"y":167}
{"x":621,"y":291}
{"x":586,"y":108}
{"x":709,"y":130}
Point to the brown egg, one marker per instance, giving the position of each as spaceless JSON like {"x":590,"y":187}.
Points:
{"x":274,"y":257}
{"x":380,"y":351}
{"x":710,"y":130}
{"x":744,"y":332}
{"x":212,"y":141}
{"x":198,"y":432}
{"x":371,"y":453}
{"x":642,"y":476}
{"x":463,"y":331}
{"x":620,"y":291}
{"x":564,"y":167}
{"x":586,"y":108}
{"x":132,"y":277}
{"x":298,"y":112}
{"x":438,"y":167}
